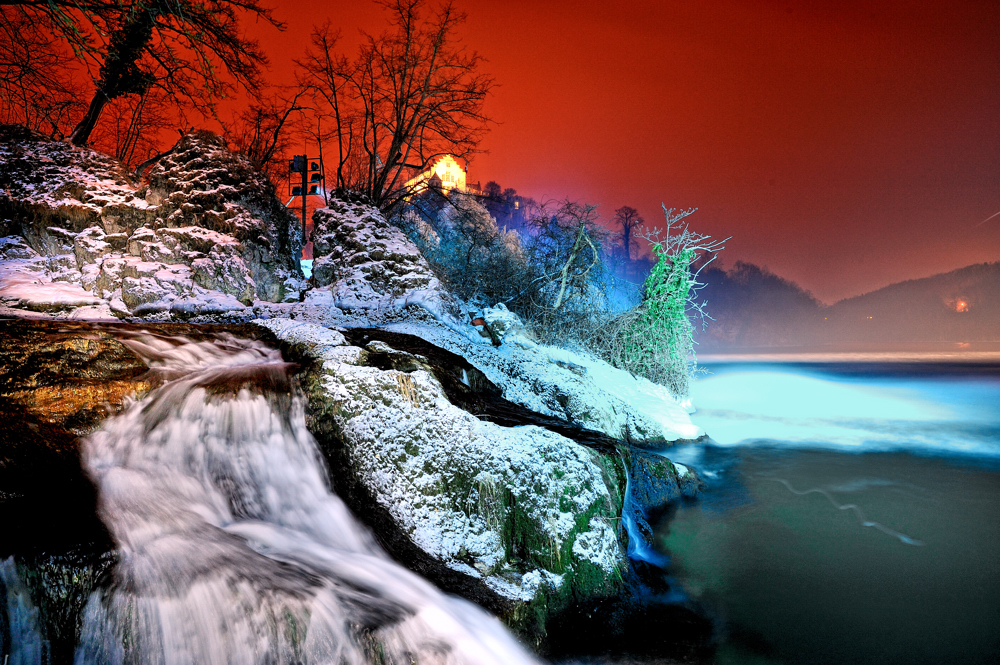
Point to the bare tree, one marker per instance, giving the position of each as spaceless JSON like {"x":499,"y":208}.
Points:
{"x":132,"y":126}
{"x":260,"y":131}
{"x":565,"y":245}
{"x":183,"y":47}
{"x":628,"y":219}
{"x":412,"y":95}
{"x":325,"y":74}
{"x":36,"y":89}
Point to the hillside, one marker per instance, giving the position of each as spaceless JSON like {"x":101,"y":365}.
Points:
{"x":753,"y":307}
{"x":958,"y":306}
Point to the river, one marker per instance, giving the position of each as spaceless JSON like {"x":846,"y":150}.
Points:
{"x":851,"y":512}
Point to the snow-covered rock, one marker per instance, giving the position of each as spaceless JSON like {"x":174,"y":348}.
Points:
{"x":503,"y":322}
{"x":201,"y":184}
{"x":558,"y":382}
{"x":520,"y":519}
{"x":654,"y":483}
{"x":206,"y":235}
{"x":367,"y":263}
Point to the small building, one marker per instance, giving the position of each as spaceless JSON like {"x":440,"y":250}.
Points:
{"x":445,"y":175}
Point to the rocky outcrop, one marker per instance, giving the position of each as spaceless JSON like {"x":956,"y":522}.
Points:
{"x":554,"y":382}
{"x":206,"y":236}
{"x":367,"y":263}
{"x":522,"y":520}
{"x":655,"y":484}
{"x":202,"y":184}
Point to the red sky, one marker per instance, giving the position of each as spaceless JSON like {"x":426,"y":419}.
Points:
{"x":845,"y":145}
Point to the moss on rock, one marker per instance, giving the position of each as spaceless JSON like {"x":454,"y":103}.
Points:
{"x":520,"y":520}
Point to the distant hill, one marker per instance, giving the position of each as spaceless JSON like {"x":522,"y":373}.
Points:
{"x":958,"y":306}
{"x":753,"y":307}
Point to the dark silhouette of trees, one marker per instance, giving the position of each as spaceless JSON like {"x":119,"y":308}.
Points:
{"x":751,"y":306}
{"x":35,"y":87}
{"x":511,"y":210}
{"x":628,"y":218}
{"x":411,"y":95}
{"x":191,"y":49}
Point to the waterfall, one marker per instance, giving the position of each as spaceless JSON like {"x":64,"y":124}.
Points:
{"x":18,"y":620}
{"x":232,"y":547}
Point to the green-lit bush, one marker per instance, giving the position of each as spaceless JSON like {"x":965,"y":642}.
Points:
{"x":655,"y":339}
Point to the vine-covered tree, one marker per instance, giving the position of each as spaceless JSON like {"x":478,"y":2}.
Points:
{"x":655,"y":339}
{"x":411,"y":95}
{"x":193,"y":50}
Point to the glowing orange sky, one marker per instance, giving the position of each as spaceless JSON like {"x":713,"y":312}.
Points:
{"x":845,"y":145}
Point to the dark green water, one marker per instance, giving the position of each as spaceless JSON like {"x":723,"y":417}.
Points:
{"x":793,"y":574}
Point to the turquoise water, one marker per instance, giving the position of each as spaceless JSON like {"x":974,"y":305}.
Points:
{"x":855,"y":520}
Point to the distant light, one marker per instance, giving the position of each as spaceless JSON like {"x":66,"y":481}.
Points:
{"x":961,"y":306}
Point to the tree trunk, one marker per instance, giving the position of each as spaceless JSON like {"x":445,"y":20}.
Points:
{"x":81,"y":133}
{"x":120,"y":73}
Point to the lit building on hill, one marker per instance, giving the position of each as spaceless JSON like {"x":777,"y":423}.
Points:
{"x":445,"y":175}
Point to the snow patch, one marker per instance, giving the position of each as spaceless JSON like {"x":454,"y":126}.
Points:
{"x":567,"y":384}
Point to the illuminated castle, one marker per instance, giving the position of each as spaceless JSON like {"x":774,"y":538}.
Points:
{"x":445,"y":175}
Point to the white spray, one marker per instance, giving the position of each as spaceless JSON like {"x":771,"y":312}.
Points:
{"x":234,"y":550}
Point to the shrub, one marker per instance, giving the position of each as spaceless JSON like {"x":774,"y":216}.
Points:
{"x":475,"y":259}
{"x":655,"y":339}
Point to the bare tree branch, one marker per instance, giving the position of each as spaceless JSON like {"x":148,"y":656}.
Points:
{"x":411,"y":95}
{"x":191,"y":49}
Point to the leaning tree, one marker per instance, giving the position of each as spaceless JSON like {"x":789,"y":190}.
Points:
{"x":191,"y":49}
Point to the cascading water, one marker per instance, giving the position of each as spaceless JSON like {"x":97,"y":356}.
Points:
{"x":233,"y":548}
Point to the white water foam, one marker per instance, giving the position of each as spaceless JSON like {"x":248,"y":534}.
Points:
{"x":232,"y":547}
{"x":789,"y":406}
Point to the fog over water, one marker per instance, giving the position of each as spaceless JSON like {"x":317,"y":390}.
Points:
{"x":851,"y":512}
{"x":871,"y":402}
